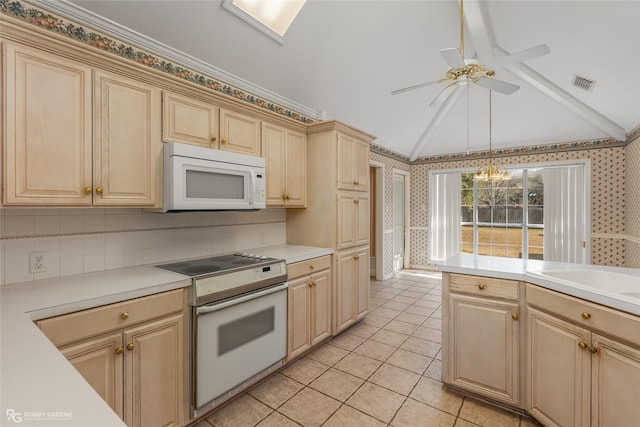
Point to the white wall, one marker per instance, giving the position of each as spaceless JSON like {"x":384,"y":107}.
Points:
{"x":77,"y":240}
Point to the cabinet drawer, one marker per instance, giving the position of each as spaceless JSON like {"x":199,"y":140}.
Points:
{"x":589,"y":315}
{"x":484,"y":286}
{"x":309,"y":266}
{"x":71,"y":327}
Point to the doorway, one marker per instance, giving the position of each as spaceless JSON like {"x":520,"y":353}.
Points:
{"x":376,"y":186}
{"x":400,"y":220}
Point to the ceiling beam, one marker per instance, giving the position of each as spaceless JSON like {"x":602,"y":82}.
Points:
{"x":435,"y":122}
{"x":480,"y":29}
{"x":564,"y":98}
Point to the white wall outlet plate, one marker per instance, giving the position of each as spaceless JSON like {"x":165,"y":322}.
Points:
{"x":37,"y":262}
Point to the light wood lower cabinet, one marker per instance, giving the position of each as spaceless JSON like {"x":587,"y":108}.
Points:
{"x":138,"y":365}
{"x":352,"y":290}
{"x":482,"y":336}
{"x":309,"y":305}
{"x":575,"y":376}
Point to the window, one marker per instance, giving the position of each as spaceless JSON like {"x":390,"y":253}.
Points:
{"x":540,"y":213}
{"x":272,"y":17}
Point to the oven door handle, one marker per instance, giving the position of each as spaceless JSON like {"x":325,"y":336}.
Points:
{"x":219,"y":306}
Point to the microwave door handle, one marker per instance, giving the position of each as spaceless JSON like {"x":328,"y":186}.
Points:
{"x":252,"y":190}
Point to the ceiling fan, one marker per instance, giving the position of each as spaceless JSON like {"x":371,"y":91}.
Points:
{"x":465,"y":71}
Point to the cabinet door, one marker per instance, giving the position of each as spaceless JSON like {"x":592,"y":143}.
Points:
{"x":127,"y":154}
{"x":296,"y":169}
{"x":361,"y":165}
{"x":189,"y":121}
{"x":299,"y":301}
{"x":346,"y":226}
{"x":557,"y":371}
{"x":362,"y":282}
{"x":99,"y":361}
{"x":47,"y":155}
{"x":484,"y":342}
{"x":239,"y":133}
{"x":361,"y":223}
{"x":153,"y":373}
{"x":345,"y":290}
{"x":274,"y":150}
{"x":615,"y":384}
{"x":321,"y":306}
{"x":346,"y":162}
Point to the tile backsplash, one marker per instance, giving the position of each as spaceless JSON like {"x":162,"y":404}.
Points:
{"x":76,"y":240}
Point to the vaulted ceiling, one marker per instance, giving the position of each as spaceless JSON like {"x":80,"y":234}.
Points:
{"x":341,"y":59}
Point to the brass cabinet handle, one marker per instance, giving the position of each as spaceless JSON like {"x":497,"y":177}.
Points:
{"x":313,"y":283}
{"x":583,"y":345}
{"x":99,"y":190}
{"x":130,"y":346}
{"x":515,"y":316}
{"x":87,"y":190}
{"x":356,"y":257}
{"x":309,"y":284}
{"x":311,"y":267}
{"x":124,"y":315}
{"x":481,"y":286}
{"x":286,"y":197}
{"x":119,"y":350}
{"x":593,"y":349}
{"x":214,"y":139}
{"x":586,"y":315}
{"x":224,"y":140}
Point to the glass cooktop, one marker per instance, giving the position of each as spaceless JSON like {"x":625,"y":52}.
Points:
{"x":216,"y":264}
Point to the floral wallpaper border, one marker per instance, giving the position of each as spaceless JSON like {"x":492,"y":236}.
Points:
{"x":507,"y":152}
{"x":44,"y":19}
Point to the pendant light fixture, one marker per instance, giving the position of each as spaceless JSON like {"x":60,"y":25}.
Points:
{"x":491,"y":173}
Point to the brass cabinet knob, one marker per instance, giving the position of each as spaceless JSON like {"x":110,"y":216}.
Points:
{"x":481,"y":286}
{"x":286,"y":197}
{"x":593,"y":349}
{"x":313,"y":283}
{"x":130,"y":346}
{"x":87,"y":190}
{"x":119,"y":350}
{"x":124,"y":315}
{"x":355,"y":257}
{"x":586,"y":315}
{"x":311,"y":267}
{"x":357,"y":183}
{"x":309,"y":284}
{"x":99,"y":190}
{"x":583,"y":345}
{"x":224,"y":140}
{"x":214,"y":139}
{"x":515,"y":316}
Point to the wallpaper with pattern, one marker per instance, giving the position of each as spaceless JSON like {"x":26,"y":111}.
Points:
{"x":608,"y":198}
{"x":387,"y":223}
{"x":632,"y":156}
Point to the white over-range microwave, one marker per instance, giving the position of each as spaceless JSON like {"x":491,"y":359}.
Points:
{"x":205,"y":179}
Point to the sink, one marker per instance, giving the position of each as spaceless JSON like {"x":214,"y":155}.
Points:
{"x":605,"y":281}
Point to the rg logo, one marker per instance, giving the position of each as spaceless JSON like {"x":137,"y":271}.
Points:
{"x":14,"y":416}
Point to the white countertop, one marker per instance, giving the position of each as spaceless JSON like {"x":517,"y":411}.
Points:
{"x":37,"y":382}
{"x":533,"y":271}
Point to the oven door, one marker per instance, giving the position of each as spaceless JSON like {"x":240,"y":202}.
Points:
{"x":237,"y":339}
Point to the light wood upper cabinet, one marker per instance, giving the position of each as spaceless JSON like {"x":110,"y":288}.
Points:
{"x":353,"y":164}
{"x":189,"y":121}
{"x":127,"y":142}
{"x":481,"y":333}
{"x":353,"y":219}
{"x":285,"y":153}
{"x":63,"y":149}
{"x":47,"y":150}
{"x":239,"y":133}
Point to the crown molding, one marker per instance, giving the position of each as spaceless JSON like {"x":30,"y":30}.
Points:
{"x":375,"y":148}
{"x":84,"y":17}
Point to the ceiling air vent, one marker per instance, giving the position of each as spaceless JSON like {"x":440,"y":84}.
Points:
{"x":583,"y":83}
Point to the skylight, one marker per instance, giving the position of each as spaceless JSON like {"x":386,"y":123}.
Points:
{"x":272,"y":17}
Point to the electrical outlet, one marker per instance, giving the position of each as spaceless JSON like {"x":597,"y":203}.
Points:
{"x":37,"y":262}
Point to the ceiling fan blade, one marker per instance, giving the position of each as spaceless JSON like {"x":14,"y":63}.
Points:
{"x":409,"y":88}
{"x":453,"y":57}
{"x":444,"y":94}
{"x":523,"y":55}
{"x":498,"y":86}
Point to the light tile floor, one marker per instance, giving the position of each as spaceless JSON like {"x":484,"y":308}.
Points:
{"x":383,"y":371}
